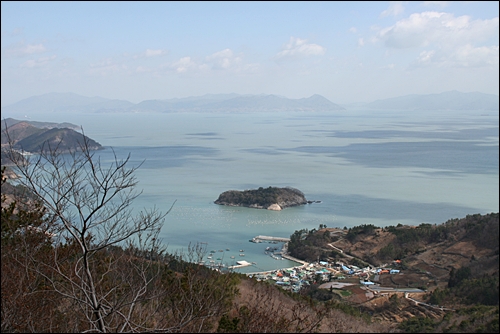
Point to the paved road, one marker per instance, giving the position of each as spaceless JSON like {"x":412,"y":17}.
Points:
{"x":428,"y":305}
{"x":340,"y":251}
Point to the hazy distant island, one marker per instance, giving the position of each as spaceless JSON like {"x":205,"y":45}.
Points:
{"x":244,"y":103}
{"x":271,"y":198}
{"x":213,"y":103}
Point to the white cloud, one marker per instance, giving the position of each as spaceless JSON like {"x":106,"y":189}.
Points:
{"x":106,"y":66}
{"x":153,"y":53}
{"x":469,"y":56}
{"x":361,"y":42}
{"x":464,"y":56}
{"x":103,"y":63}
{"x":13,"y":33}
{"x":446,"y":40}
{"x":38,"y":62}
{"x":224,"y":60}
{"x":150,"y":53}
{"x":21,"y":50}
{"x":395,"y":8}
{"x":353,"y":30}
{"x":425,"y":57}
{"x":389,"y":66}
{"x":298,"y":47}
{"x":422,"y":29}
{"x":184,"y":64}
{"x":30,"y":49}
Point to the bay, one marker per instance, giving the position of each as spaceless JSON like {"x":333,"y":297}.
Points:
{"x":381,"y":168}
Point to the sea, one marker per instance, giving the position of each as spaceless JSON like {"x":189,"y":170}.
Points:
{"x":360,"y":167}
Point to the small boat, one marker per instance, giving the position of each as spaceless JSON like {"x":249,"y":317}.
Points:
{"x":219,"y":259}
{"x":227,"y":249}
{"x":209,"y":257}
{"x":220,"y":250}
{"x":212,"y":251}
{"x":232,"y":257}
{"x":241,"y":250}
{"x":242,"y":254}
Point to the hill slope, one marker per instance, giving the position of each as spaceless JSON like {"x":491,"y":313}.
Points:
{"x":65,"y":140}
{"x":35,"y":136}
{"x":456,"y":263}
{"x":8,"y":122}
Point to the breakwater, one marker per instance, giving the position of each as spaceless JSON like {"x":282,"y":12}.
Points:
{"x":261,"y":238}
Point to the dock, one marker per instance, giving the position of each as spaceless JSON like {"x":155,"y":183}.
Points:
{"x":261,"y":238}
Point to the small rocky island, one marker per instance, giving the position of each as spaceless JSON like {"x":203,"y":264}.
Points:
{"x":271,"y":198}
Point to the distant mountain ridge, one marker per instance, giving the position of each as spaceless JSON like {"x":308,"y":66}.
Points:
{"x":244,"y":103}
{"x":70,"y":102}
{"x":452,"y":100}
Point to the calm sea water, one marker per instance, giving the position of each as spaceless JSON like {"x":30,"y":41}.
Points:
{"x":380,"y":168}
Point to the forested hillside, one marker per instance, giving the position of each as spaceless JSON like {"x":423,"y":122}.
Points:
{"x":456,"y":263}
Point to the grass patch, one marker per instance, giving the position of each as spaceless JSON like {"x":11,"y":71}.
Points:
{"x":342,"y":293}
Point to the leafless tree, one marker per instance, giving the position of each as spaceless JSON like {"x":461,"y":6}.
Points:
{"x":88,"y":204}
{"x":266,"y":309}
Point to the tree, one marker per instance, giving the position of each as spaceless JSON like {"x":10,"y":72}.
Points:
{"x":457,"y":276}
{"x":267,"y":310}
{"x":89,"y":209}
{"x":26,"y":305}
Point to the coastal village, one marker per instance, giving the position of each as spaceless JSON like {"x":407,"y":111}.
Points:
{"x":357,"y":284}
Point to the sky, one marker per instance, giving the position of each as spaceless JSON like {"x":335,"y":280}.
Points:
{"x":349,"y":52}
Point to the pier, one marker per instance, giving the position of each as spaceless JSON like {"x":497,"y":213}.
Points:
{"x":261,"y":238}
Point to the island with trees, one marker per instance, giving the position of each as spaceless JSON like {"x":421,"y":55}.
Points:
{"x":271,"y":198}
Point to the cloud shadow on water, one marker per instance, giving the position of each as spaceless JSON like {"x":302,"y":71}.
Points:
{"x":444,"y":134}
{"x":364,"y":207}
{"x":162,"y":156}
{"x":466,"y":157}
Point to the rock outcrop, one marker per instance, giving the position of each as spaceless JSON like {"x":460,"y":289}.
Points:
{"x":274,"y":207}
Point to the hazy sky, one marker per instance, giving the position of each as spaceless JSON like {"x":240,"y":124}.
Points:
{"x":346,"y":51}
